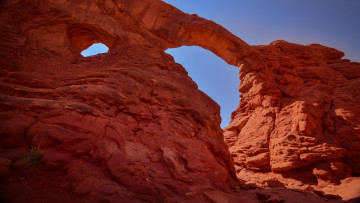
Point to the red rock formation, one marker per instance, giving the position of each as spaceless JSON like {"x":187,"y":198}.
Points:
{"x":298,"y":118}
{"x":126,"y":126}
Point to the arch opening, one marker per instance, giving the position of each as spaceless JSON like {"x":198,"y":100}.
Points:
{"x":213,"y":75}
{"x":84,"y":36}
{"x":97,"y":48}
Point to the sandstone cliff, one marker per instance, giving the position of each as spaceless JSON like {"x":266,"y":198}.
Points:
{"x":125,"y":126}
{"x":297,"y":124}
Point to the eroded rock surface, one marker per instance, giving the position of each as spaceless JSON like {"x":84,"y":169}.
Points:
{"x":297,"y":124}
{"x":126,"y":126}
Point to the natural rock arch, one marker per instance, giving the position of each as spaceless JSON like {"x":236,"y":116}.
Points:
{"x":145,"y":132}
{"x":130,"y":125}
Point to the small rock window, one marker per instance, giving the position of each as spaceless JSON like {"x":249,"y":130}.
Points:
{"x":87,"y":40}
{"x":97,"y":48}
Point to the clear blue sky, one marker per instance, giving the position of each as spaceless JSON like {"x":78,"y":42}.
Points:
{"x":333,"y":23}
{"x":94,"y":49}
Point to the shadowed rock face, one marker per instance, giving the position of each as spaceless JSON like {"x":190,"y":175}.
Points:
{"x":129,"y":125}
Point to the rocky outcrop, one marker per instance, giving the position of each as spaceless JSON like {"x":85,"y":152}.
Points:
{"x":298,"y":118}
{"x":126,"y":126}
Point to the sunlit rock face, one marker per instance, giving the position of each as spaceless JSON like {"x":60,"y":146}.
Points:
{"x":125,"y":126}
{"x":128,"y":124}
{"x":298,"y":119}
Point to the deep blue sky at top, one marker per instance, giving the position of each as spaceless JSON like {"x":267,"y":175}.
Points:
{"x":333,"y":23}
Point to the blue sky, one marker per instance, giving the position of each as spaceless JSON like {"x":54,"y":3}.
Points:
{"x":213,"y":76}
{"x":333,"y":23}
{"x":95,"y":49}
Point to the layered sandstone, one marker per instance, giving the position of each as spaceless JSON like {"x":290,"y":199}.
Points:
{"x":298,"y":120}
{"x":126,"y":126}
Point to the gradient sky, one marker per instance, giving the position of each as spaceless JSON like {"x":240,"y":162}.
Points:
{"x":333,"y":23}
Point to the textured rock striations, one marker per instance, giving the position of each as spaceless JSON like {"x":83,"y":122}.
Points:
{"x":298,"y":121}
{"x":130,"y":125}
